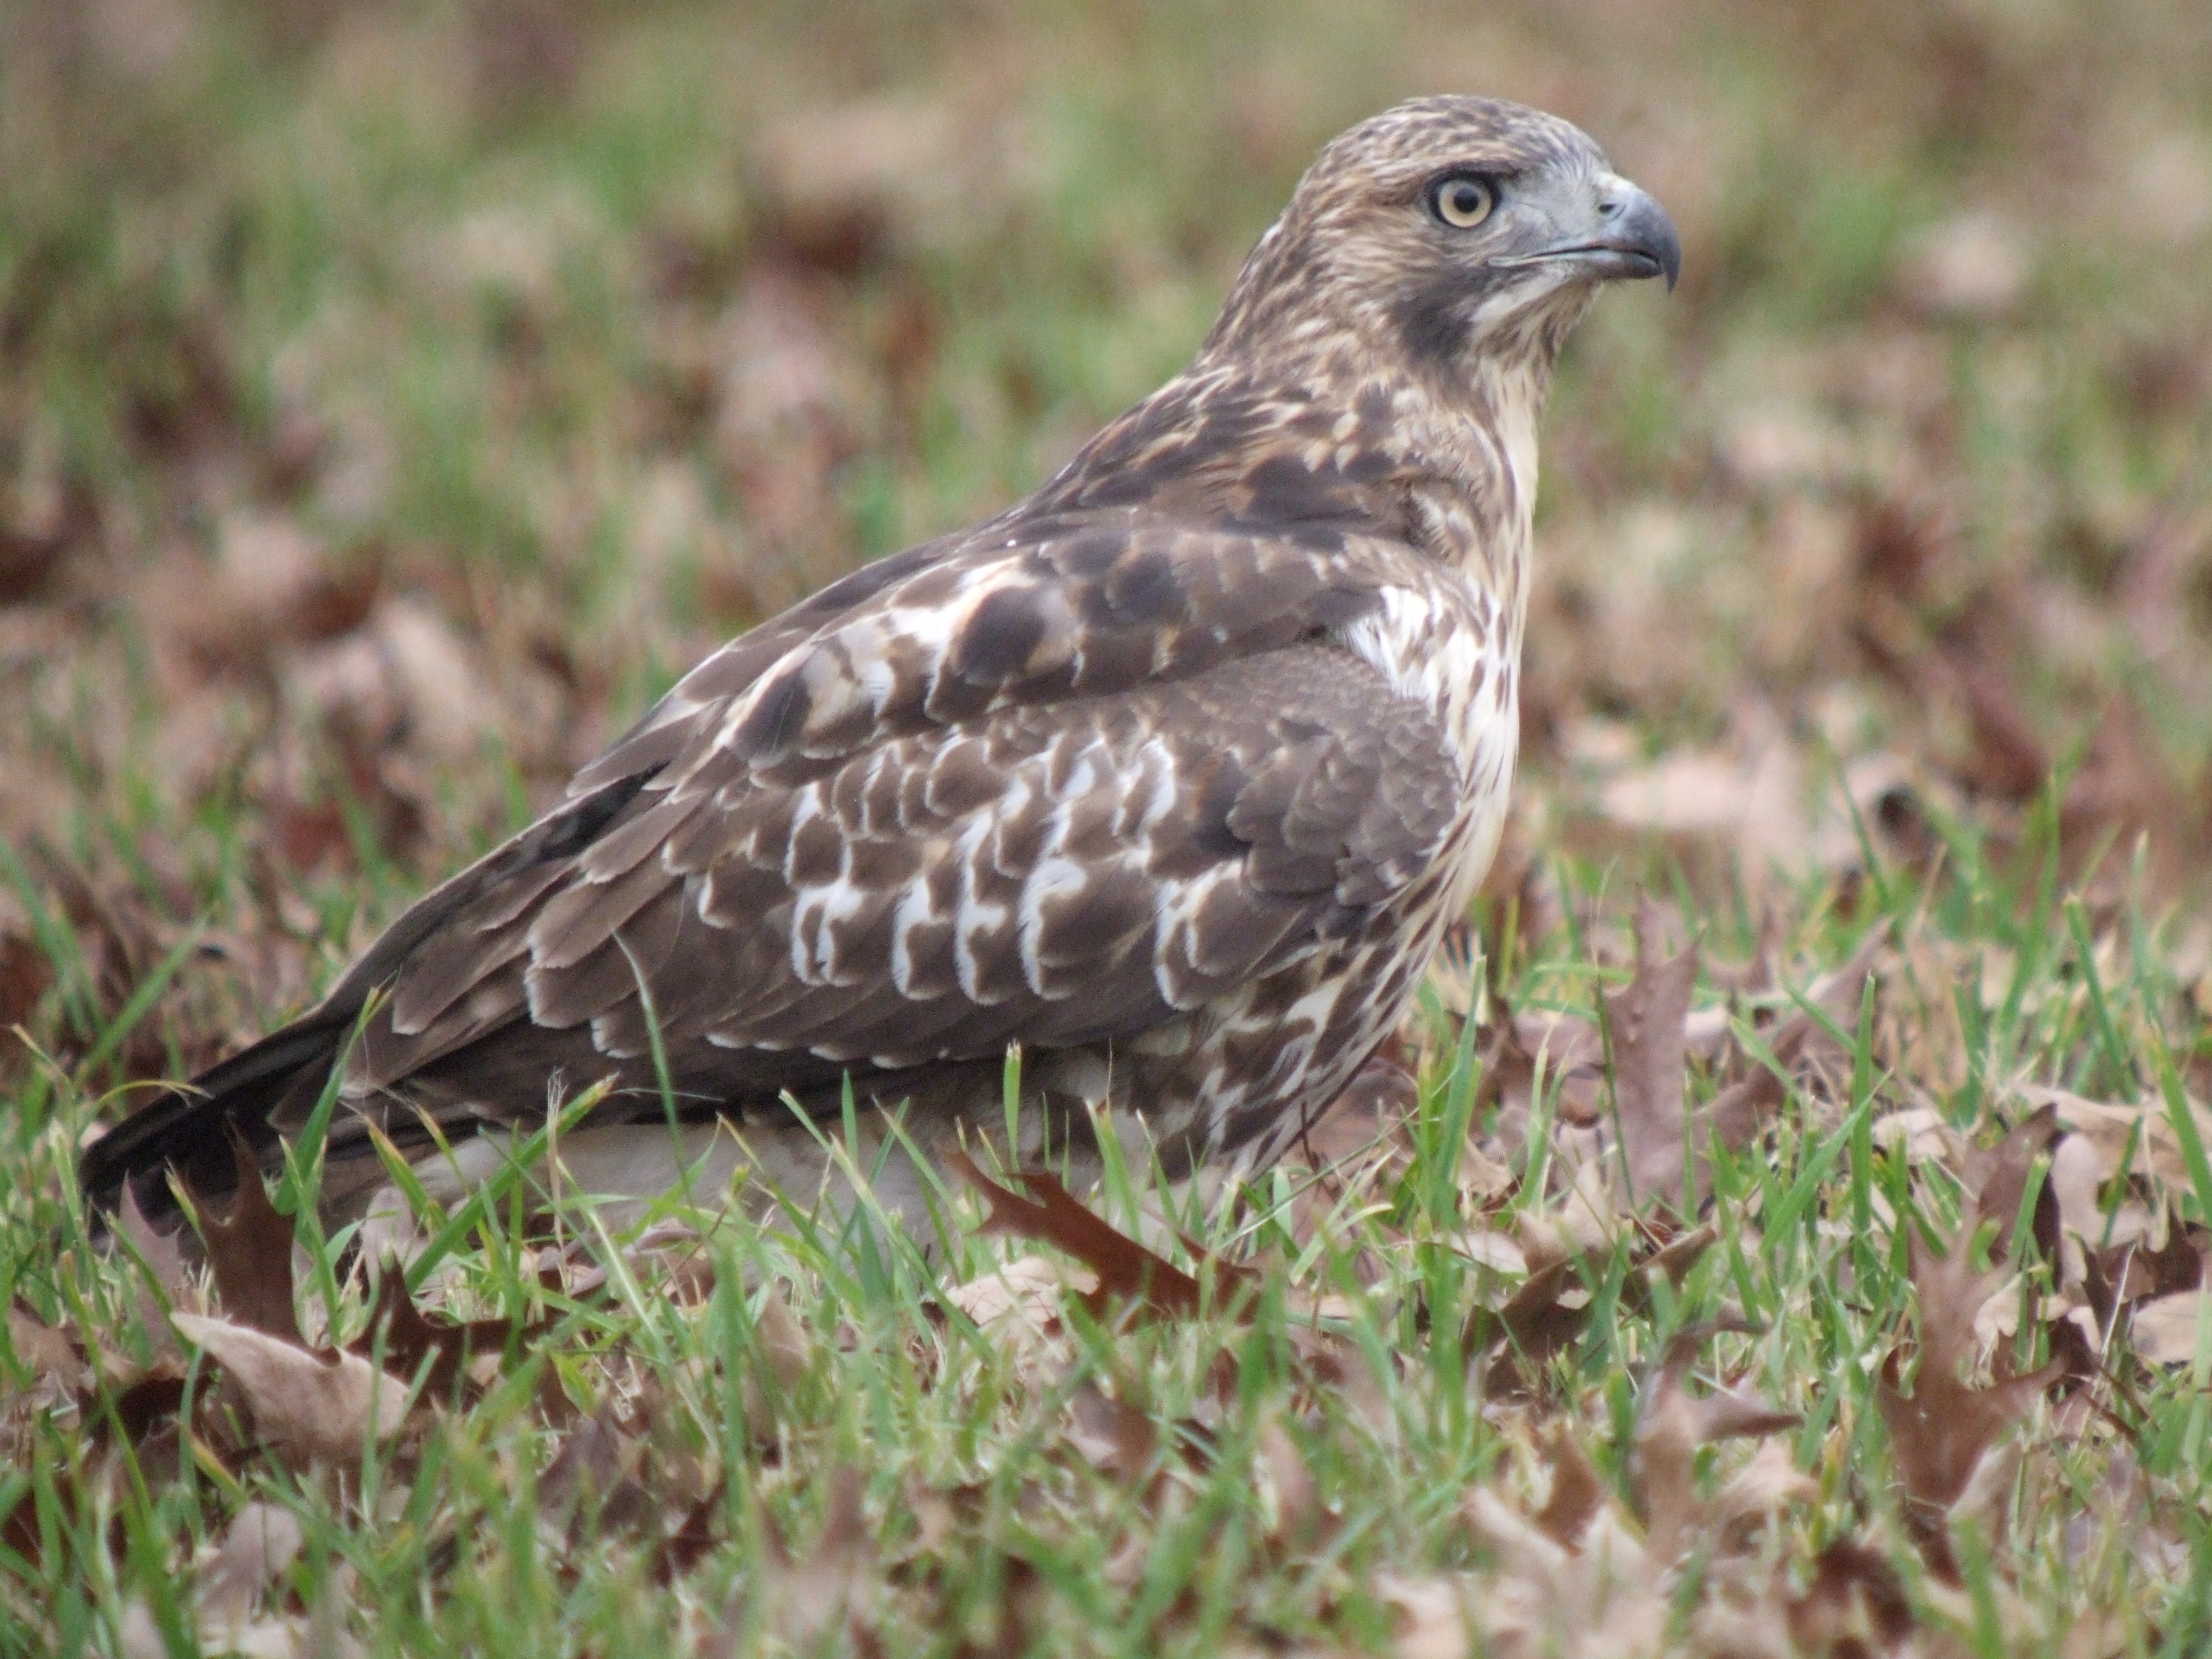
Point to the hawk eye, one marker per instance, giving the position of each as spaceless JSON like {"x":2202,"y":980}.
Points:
{"x":1462,"y":200}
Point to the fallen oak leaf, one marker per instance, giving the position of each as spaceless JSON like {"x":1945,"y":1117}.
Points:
{"x":250,"y":1251}
{"x":1760,"y":1490}
{"x":45,"y":1352}
{"x":809,"y":1596}
{"x":693,"y":1539}
{"x":2170,"y":1330}
{"x":1429,"y":1616}
{"x":1577,"y":1492}
{"x":1535,"y":1319}
{"x":2122,"y":1276}
{"x":1674,"y":1423}
{"x":1299,"y":1516}
{"x":263,"y":1542}
{"x":1998,"y":1179}
{"x":1855,"y":1593}
{"x":1573,"y":1051}
{"x":1643,"y":1024}
{"x":2143,"y":1136}
{"x":1549,"y":1308}
{"x":1125,"y":1269}
{"x":307,"y":1408}
{"x":1111,"y":1435}
{"x":592,"y":1483}
{"x":673,"y":1257}
{"x":1599,"y":1595}
{"x":1739,"y":1111}
{"x":409,"y":1337}
{"x":1940,"y":1432}
{"x":157,"y":1250}
{"x":1018,"y":1302}
{"x":163,"y":1261}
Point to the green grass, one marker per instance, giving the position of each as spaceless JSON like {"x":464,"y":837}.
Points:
{"x":466,"y":328}
{"x":442,"y":1543}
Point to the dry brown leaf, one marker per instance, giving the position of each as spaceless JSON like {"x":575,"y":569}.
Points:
{"x":1371,"y":1109}
{"x":1127,"y":1270}
{"x":408,"y":1337}
{"x":25,"y":976}
{"x":1571,"y":1052}
{"x":1644,"y":1027}
{"x":250,"y":1251}
{"x":1297,"y":1516}
{"x":781,"y":1350}
{"x":1539,"y":1319}
{"x":1673,"y":1425}
{"x":47,"y":1351}
{"x":447,"y":712}
{"x":596,"y":1461}
{"x":1022,"y":1295}
{"x":137,"y":1636}
{"x":1429,"y":1616}
{"x":158,"y":1250}
{"x":2122,"y":1275}
{"x":781,"y":1340}
{"x":672,"y":1256}
{"x":1577,"y":1493}
{"x":306,"y":1408}
{"x":809,"y":1596}
{"x":1688,"y":792}
{"x":1998,"y":1179}
{"x":1599,"y":1598}
{"x":263,"y":1542}
{"x":1551,"y":1305}
{"x":694,"y":1538}
{"x":1111,"y":1435}
{"x":1763,"y":1488}
{"x":1974,"y":266}
{"x":2171,"y":1330}
{"x":1741,"y":1110}
{"x":1857,"y":1603}
{"x":2112,"y":1128}
{"x":1943,"y":1431}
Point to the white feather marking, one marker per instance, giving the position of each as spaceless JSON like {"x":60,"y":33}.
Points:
{"x":1053,"y":878}
{"x":813,"y":940}
{"x":806,"y":806}
{"x":915,"y":910}
{"x":973,"y":917}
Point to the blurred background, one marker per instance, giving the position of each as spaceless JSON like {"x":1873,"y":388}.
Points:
{"x":393,"y":398}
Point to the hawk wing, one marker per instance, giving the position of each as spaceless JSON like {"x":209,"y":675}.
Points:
{"x":1056,"y":779}
{"x":1056,"y":786}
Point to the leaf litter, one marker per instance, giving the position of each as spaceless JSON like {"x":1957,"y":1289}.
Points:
{"x":1657,"y":1351}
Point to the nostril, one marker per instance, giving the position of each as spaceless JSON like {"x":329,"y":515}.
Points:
{"x":1609,"y":207}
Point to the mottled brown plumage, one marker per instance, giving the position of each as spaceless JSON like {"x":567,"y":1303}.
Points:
{"x":1173,"y":773}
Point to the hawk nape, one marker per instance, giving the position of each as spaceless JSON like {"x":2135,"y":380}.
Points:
{"x":1173,"y":773}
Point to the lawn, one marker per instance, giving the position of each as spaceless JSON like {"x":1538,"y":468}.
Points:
{"x":1783,"y":1226}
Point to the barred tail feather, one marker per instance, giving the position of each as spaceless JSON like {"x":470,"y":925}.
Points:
{"x":191,"y":1129}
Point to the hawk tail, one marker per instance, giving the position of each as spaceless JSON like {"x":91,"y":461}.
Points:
{"x":190,"y":1129}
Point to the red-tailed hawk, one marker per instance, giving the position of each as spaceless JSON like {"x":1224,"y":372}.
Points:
{"x":1173,"y":773}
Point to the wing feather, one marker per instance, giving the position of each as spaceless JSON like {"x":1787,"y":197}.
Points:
{"x":1063,"y":791}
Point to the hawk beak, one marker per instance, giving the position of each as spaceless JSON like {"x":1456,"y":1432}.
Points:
{"x":1635,"y":239}
{"x":1640,"y":239}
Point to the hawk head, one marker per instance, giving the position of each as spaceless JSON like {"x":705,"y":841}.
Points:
{"x":1442,"y":230}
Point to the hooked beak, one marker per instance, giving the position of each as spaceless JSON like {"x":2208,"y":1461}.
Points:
{"x":1635,"y":239}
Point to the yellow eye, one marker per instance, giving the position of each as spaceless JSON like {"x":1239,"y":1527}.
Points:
{"x":1462,"y":200}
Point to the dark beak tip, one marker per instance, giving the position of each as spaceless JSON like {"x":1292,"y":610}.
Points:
{"x":1650,"y":232}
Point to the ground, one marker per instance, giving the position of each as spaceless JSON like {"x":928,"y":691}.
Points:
{"x":393,"y":399}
